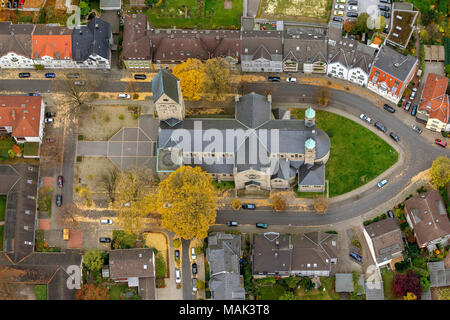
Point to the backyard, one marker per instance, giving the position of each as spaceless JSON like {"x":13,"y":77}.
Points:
{"x":41,"y":291}
{"x":122,"y":292}
{"x":388,"y":283}
{"x":357,"y":155}
{"x":302,"y":10}
{"x":202,"y":14}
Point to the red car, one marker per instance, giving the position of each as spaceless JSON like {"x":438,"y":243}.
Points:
{"x":441,"y":143}
{"x":60,"y":181}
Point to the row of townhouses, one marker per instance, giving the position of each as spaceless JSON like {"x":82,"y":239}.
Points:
{"x":303,"y":49}
{"x":26,"y":45}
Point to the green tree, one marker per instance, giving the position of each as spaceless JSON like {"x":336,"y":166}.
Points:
{"x":93,"y":259}
{"x":160,"y":266}
{"x":292,"y":282}
{"x":123,"y":240}
{"x":440,"y":171}
{"x":361,"y":23}
{"x":84,"y":8}
{"x":447,"y":70}
{"x":200,"y":284}
{"x":288,"y":296}
{"x":187,"y":202}
{"x":217,"y":79}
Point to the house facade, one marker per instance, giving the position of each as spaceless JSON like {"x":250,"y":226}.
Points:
{"x":262,"y":51}
{"x":427,"y":217}
{"x":136,"y":53}
{"x":434,"y":103}
{"x":247,"y":149}
{"x":391,"y":73}
{"x":16,"y":45}
{"x":22,"y":117}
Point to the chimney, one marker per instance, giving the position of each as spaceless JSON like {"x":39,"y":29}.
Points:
{"x":269,"y":98}
{"x":236,"y":98}
{"x":13,"y":114}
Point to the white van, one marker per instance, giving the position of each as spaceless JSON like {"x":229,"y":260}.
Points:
{"x":124,"y":96}
{"x":177,"y":276}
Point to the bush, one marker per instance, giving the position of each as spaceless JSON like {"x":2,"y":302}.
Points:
{"x":384,"y":216}
{"x":160,"y":283}
{"x":399,"y":213}
{"x":330,"y":133}
{"x":135,"y":116}
{"x":121,"y":117}
{"x":80,"y":137}
{"x":376,"y":219}
{"x":403,"y":225}
{"x":176,"y":243}
{"x":160,"y":266}
{"x":200,"y":284}
{"x":422,"y":189}
{"x":331,"y":232}
{"x":278,"y":204}
{"x":236,"y":204}
{"x":367,"y":222}
{"x":401,"y":266}
{"x":136,"y":96}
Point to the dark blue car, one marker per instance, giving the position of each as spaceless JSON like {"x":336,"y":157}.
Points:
{"x":414,"y":110}
{"x":32,"y":94}
{"x":355,"y":256}
{"x":50,"y":75}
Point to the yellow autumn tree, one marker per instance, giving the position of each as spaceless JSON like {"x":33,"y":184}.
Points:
{"x":191,"y":74}
{"x":410,"y":296}
{"x":440,"y":171}
{"x":187,"y":202}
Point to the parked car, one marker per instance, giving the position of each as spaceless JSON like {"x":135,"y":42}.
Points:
{"x":389,"y":108}
{"x":73,"y":75}
{"x":79,"y":83}
{"x":49,"y":75}
{"x":105,"y":240}
{"x":355,"y":256}
{"x":29,"y":243}
{"x":59,"y":200}
{"x":380,"y":126}
{"x":382,"y":183}
{"x":390,"y":214}
{"x":290,"y":79}
{"x":194,"y":268}
{"x":340,"y":1}
{"x":411,"y":97}
{"x":32,"y":94}
{"x":352,"y":14}
{"x":385,"y":14}
{"x":249,"y":206}
{"x":50,"y":114}
{"x":385,"y":1}
{"x":177,"y":276}
{"x":262,"y":225}
{"x":353,"y":2}
{"x":339,"y":7}
{"x":274,"y":79}
{"x":383,"y":7}
{"x":440,"y":142}
{"x":338,"y":19}
{"x":407,"y":106}
{"x":353,"y":8}
{"x":194,"y":284}
{"x":140,"y":76}
{"x":193,"y":255}
{"x":417,"y":129}
{"x":414,"y":89}
{"x":124,"y":96}
{"x":48,"y":120}
{"x":60,"y":181}
{"x":338,"y":13}
{"x":177,"y":254}
{"x":394,"y":136}
{"x":24,"y":75}
{"x":232,"y":223}
{"x":50,"y":140}
{"x":106,"y":221}
{"x":365,"y":118}
{"x":414,"y":110}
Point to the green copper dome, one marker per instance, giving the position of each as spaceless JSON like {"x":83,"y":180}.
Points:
{"x":310,"y":143}
{"x":310,"y":113}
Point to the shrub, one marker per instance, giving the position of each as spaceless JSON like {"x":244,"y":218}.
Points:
{"x":384,"y":216}
{"x":331,"y":232}
{"x":160,"y":283}
{"x":200,"y":284}
{"x":422,"y":189}
{"x":278,"y":204}
{"x":376,"y":219}
{"x":236,"y":204}
{"x":176,"y":243}
{"x":121,"y":117}
{"x":399,"y":213}
{"x":160,"y":266}
{"x":80,"y":137}
{"x":401,"y":266}
{"x":403,"y":225}
{"x":135,"y":116}
{"x":330,"y":133}
{"x":79,"y":158}
{"x":136,"y":96}
{"x":367,"y":222}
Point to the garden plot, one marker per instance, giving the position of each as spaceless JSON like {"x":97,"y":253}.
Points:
{"x":313,"y":9}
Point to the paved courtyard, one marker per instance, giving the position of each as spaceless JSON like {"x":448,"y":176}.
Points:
{"x":129,"y":148}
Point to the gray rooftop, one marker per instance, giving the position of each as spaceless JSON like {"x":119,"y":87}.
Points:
{"x":91,"y":39}
{"x":253,"y":110}
{"x":394,"y":63}
{"x":439,"y":276}
{"x":165,"y":83}
{"x":226,"y":286}
{"x":223,"y":253}
{"x":344,"y":282}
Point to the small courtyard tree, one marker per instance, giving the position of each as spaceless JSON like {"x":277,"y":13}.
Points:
{"x":278,"y":204}
{"x":93,"y":259}
{"x":440,"y":171}
{"x":320,"y":204}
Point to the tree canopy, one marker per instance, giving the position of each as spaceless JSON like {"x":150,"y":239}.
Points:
{"x":191,"y":74}
{"x":92,"y":292}
{"x":93,"y":259}
{"x":440,"y":171}
{"x":409,"y":282}
{"x":217,"y":79}
{"x":187,"y":202}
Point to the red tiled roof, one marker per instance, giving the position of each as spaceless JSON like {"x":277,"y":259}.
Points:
{"x":22,"y":113}
{"x":434,"y":100}
{"x":55,"y":42}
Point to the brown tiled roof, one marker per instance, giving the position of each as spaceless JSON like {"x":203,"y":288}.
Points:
{"x":129,"y":263}
{"x":428,"y":216}
{"x":386,"y":238}
{"x":16,"y":38}
{"x":434,"y":99}
{"x":309,"y":254}
{"x":136,"y":44}
{"x":271,"y":253}
{"x":23,"y":113}
{"x":253,"y":40}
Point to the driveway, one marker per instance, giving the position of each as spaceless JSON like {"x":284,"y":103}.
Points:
{"x":170,"y":292}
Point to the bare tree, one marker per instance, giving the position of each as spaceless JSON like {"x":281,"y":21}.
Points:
{"x":66,"y":216}
{"x":109,"y":182}
{"x":78,"y":96}
{"x":321,"y":204}
{"x":323,"y":95}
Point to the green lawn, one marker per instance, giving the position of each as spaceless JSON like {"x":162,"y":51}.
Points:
{"x":357,"y":154}
{"x":41,"y":291}
{"x":388,"y":283}
{"x":223,"y":184}
{"x":31,"y":149}
{"x":2,"y":207}
{"x":118,"y":291}
{"x":2,"y":228}
{"x":315,"y":294}
{"x":212,"y":16}
{"x":271,"y":291}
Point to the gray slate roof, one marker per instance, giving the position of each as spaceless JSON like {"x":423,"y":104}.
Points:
{"x":105,"y":4}
{"x":226,"y":286}
{"x":253,"y":110}
{"x":394,"y":63}
{"x":91,"y":39}
{"x":223,"y":253}
{"x":344,"y":282}
{"x":439,"y":276}
{"x":165,"y":83}
{"x":16,"y":38}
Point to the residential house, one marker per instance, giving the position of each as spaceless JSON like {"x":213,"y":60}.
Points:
{"x":22,"y":117}
{"x":361,"y":64}
{"x":15,"y":45}
{"x":402,"y":27}
{"x":52,"y":46}
{"x":391,"y":73}
{"x":439,"y":276}
{"x":427,"y":216}
{"x":305,"y":49}
{"x":136,"y":267}
{"x":299,"y":159}
{"x":20,"y":185}
{"x":223,"y":255}
{"x":310,"y":254}
{"x":91,"y":45}
{"x":385,"y":242}
{"x":136,"y":49}
{"x":110,"y":4}
{"x":262,"y":51}
{"x":434,"y":107}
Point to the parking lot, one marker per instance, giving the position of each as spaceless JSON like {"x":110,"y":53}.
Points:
{"x":368,"y":6}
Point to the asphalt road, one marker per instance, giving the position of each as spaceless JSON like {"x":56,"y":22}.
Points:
{"x":419,"y":156}
{"x":186,"y":271}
